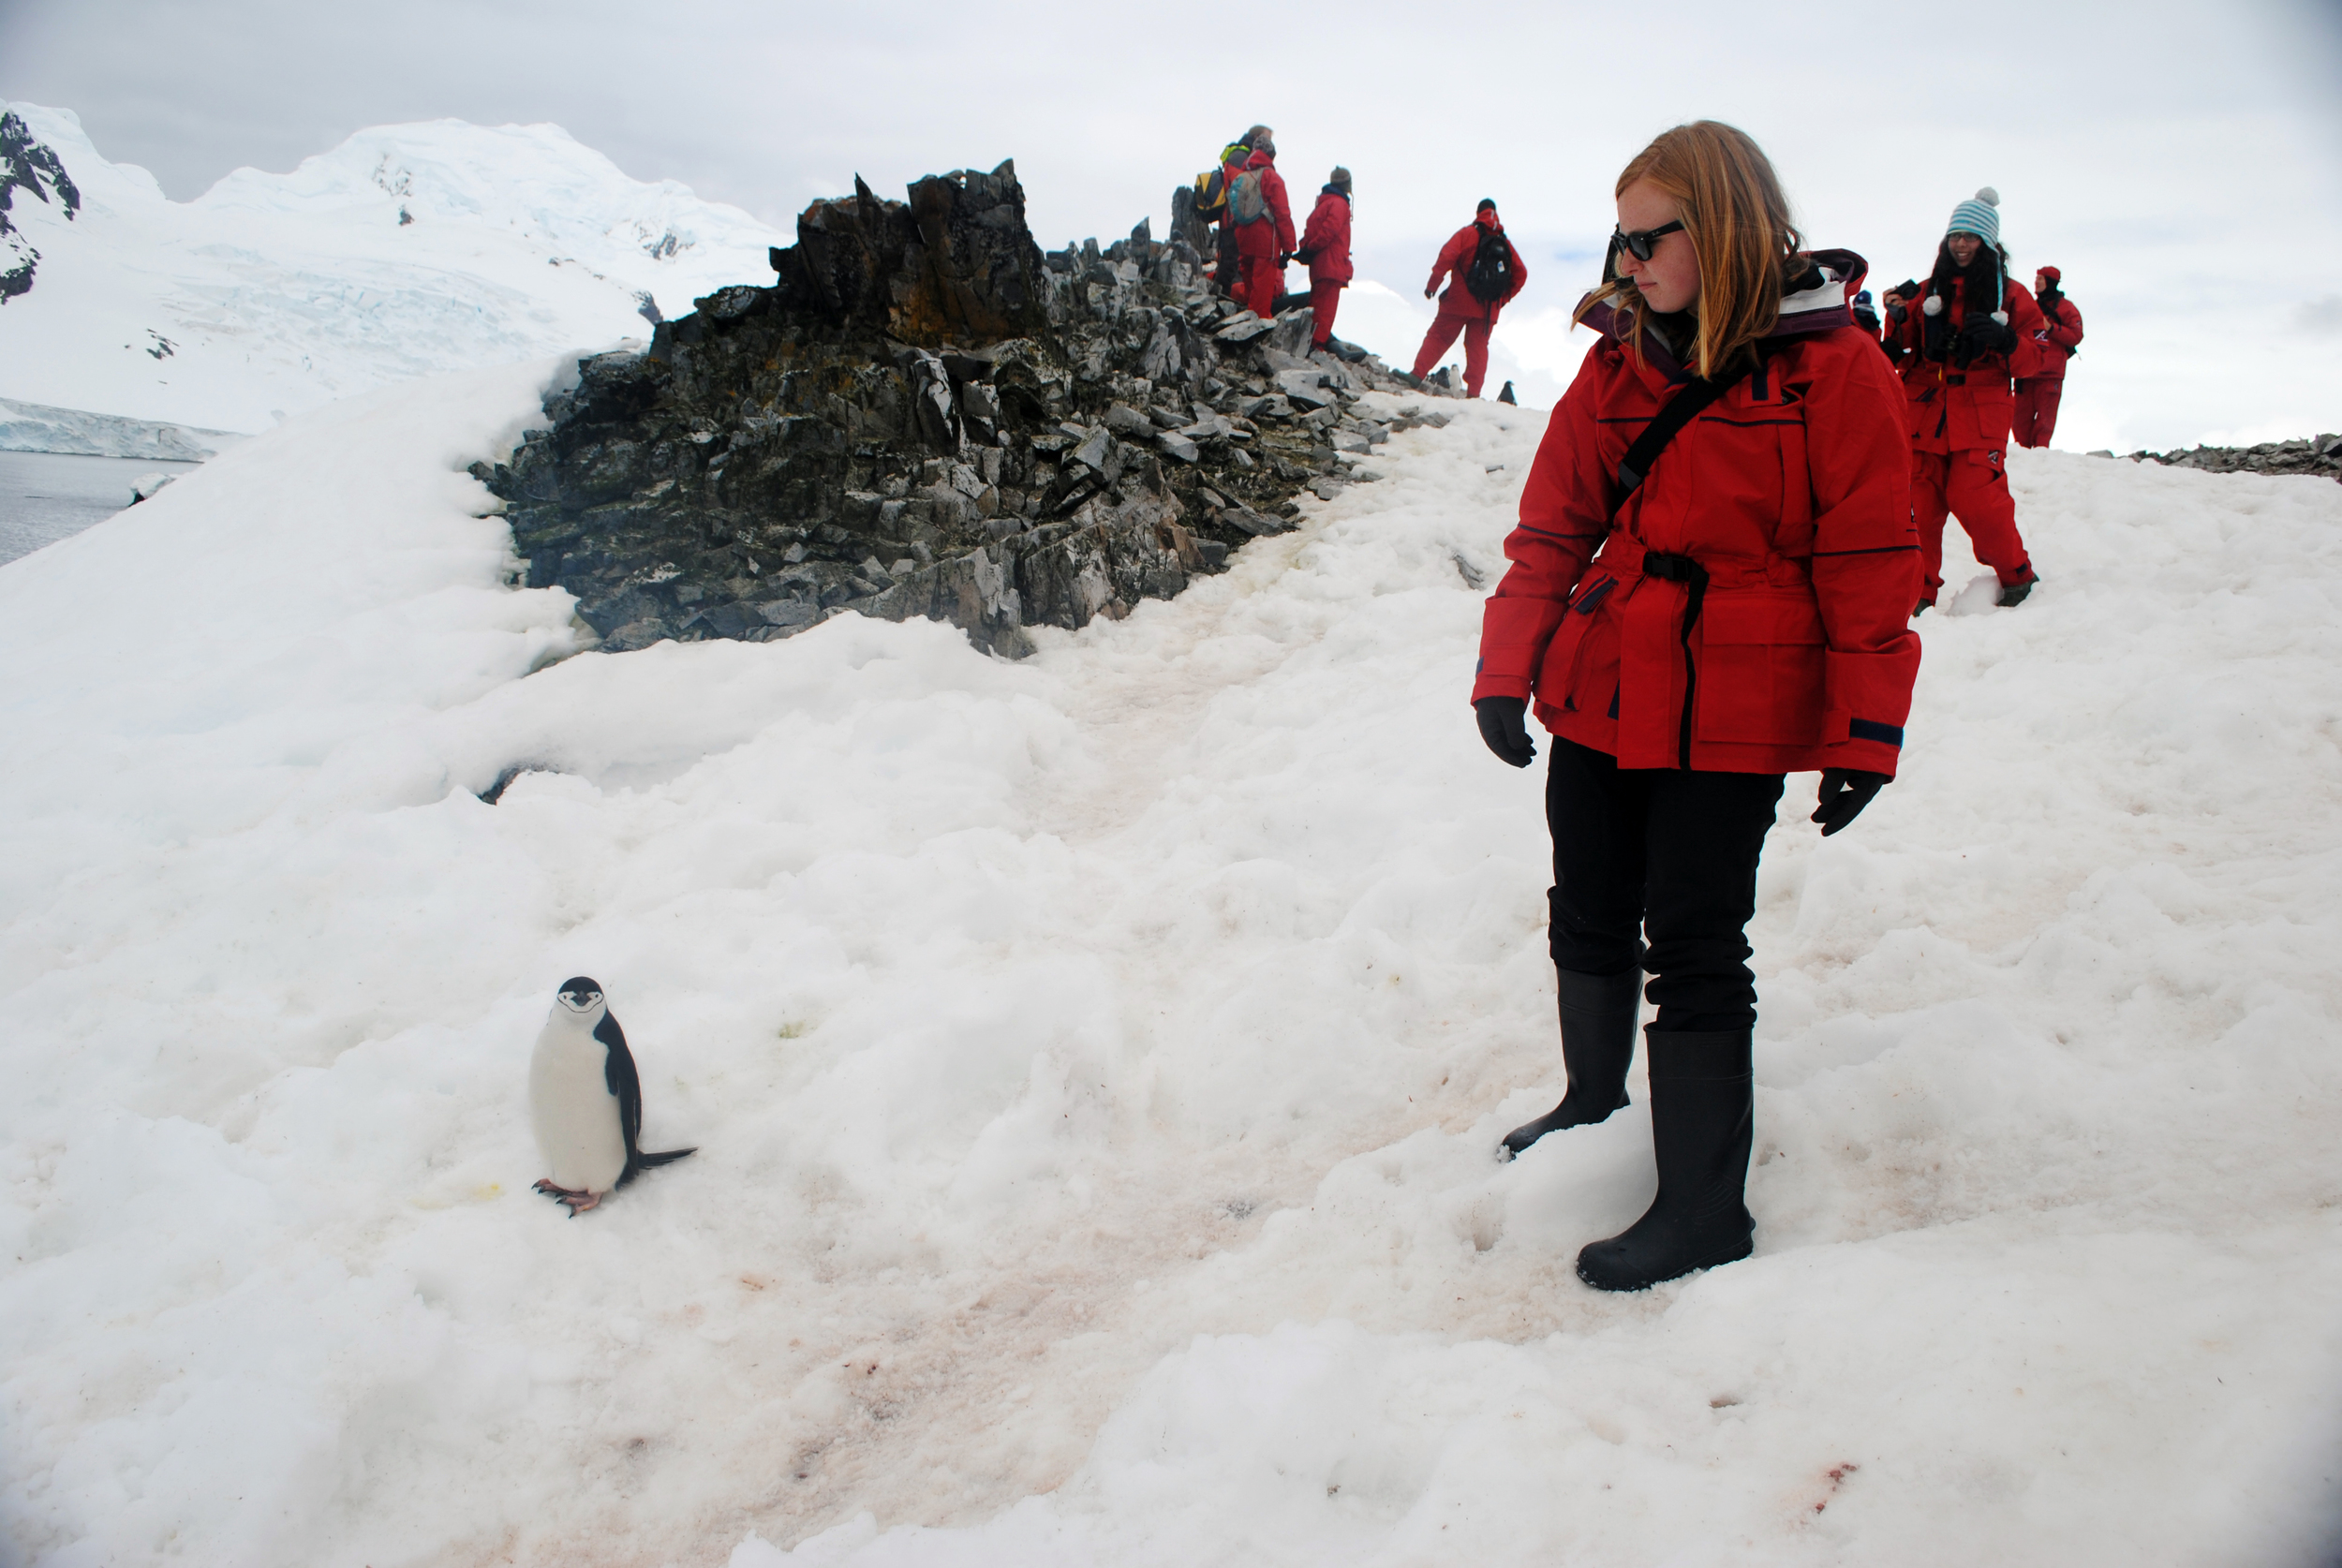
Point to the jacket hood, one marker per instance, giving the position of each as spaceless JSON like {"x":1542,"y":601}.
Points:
{"x":1334,"y":190}
{"x":1264,"y":158}
{"x":1488,"y":220}
{"x":1818,"y":297}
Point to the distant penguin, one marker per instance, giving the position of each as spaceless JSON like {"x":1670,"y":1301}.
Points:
{"x":587,"y":1101}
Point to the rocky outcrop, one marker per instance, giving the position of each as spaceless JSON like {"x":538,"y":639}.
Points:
{"x":26,"y":166}
{"x":926,"y":414}
{"x":2320,"y":455}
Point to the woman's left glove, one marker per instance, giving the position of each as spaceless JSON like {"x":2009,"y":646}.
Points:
{"x":1502,"y":726}
{"x":1843,"y":793}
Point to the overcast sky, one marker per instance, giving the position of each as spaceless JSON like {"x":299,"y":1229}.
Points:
{"x":2182,"y":163}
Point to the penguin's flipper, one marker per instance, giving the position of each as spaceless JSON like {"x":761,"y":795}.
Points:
{"x":617,"y":1072}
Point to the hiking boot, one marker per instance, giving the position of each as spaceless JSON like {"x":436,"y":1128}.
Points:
{"x":2013,"y":594}
{"x":1703,"y":1105}
{"x":1597,"y":1047}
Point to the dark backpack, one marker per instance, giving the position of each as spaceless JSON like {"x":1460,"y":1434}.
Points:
{"x":1492,"y":276}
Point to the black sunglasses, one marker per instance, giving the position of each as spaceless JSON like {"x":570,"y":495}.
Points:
{"x":1643,"y":241}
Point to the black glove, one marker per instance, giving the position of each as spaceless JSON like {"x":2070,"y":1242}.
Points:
{"x":1843,"y":793}
{"x":1285,"y":260}
{"x":1980,"y":336}
{"x":1502,"y":726}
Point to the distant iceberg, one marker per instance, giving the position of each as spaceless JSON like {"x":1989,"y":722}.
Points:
{"x":38,"y":427}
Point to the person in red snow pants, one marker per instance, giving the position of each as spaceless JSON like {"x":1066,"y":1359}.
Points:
{"x":2042,"y":380}
{"x":1263,"y":245}
{"x":1326,"y":247}
{"x":1691,"y":626}
{"x":1954,"y":344}
{"x":1459,"y":309}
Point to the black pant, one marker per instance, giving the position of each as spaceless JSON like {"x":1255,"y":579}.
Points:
{"x":1666,"y":852}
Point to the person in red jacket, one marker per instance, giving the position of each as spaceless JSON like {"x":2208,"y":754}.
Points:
{"x":1461,"y":309}
{"x":1263,"y":238}
{"x":1954,"y":348}
{"x":1692,"y":626}
{"x":1228,"y":268}
{"x":1326,"y":247}
{"x":2053,"y":343}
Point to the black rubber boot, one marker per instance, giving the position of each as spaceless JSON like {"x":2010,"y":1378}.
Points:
{"x":1597,"y":1047}
{"x":1702,"y":1101}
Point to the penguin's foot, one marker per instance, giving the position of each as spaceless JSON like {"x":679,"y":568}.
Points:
{"x":578,"y":1202}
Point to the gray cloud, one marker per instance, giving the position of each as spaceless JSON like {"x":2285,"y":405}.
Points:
{"x":2086,"y":123}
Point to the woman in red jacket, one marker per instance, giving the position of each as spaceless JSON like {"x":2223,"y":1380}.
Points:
{"x":2054,"y":341}
{"x":1692,"y":626}
{"x":1326,"y":247}
{"x":1954,"y":348}
{"x":1463,"y":310}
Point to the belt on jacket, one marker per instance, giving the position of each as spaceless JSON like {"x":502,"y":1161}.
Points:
{"x":1624,"y":556}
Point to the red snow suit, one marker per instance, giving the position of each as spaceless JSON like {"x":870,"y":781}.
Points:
{"x":1459,"y":311}
{"x":1791,"y":493}
{"x":1326,"y":243}
{"x":1959,"y":421}
{"x":1259,"y":245}
{"x":1326,"y":247}
{"x":2042,"y":365}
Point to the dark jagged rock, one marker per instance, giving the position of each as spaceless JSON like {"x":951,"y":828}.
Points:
{"x":2320,"y":455}
{"x":26,"y":165}
{"x":924,"y":415}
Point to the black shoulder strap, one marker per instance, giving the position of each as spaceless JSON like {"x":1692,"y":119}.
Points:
{"x":1681,"y":410}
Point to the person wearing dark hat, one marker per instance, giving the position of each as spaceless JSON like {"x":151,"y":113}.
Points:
{"x":1326,"y":247}
{"x":2053,"y":343}
{"x":1485,"y":272}
{"x":1955,"y":342}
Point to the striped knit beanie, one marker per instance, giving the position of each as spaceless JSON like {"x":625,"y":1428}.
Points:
{"x":1980,"y":216}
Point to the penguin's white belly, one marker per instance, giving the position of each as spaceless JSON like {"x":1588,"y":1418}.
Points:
{"x":575,"y":1113}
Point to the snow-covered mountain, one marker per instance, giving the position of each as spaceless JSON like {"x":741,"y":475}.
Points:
{"x":408,"y":250}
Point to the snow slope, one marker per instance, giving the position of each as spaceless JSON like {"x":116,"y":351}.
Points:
{"x":408,"y":250}
{"x":1096,"y":1062}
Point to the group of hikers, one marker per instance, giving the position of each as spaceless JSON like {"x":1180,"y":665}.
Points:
{"x":1246,"y":196}
{"x":1733,"y":517}
{"x":1983,"y":359}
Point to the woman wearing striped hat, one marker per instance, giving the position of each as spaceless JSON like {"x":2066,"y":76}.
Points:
{"x":1952,"y":338}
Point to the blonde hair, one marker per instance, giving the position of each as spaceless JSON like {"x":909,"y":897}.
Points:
{"x":1738,"y":222}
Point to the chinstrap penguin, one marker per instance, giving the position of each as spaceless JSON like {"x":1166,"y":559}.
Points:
{"x":587,"y":1101}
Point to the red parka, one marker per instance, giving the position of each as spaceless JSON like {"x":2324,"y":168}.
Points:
{"x":1955,"y":409}
{"x":1791,"y":493}
{"x":1273,"y":234}
{"x":1455,"y":257}
{"x":2052,"y":342}
{"x":1326,"y":243}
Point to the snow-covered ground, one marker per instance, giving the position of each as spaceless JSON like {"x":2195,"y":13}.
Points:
{"x":408,"y":250}
{"x":1096,"y":1063}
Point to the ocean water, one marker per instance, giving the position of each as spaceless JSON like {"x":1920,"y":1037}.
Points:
{"x":45,"y":496}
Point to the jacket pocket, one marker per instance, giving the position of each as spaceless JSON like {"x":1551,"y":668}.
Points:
{"x":1581,"y":668}
{"x":1761,"y":668}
